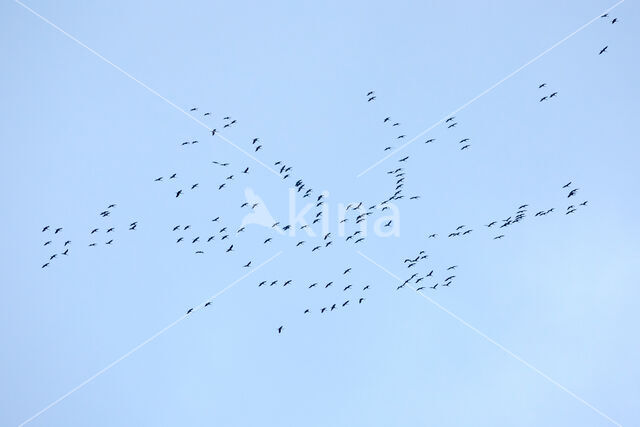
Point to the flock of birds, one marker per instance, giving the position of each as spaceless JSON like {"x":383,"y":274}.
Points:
{"x":202,"y":238}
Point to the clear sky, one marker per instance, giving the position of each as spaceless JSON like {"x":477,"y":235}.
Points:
{"x":559,"y":291}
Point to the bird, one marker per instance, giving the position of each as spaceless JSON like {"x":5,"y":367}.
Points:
{"x":429,"y":140}
{"x":69,"y":241}
{"x":307,"y":311}
{"x":194,"y":185}
{"x":45,"y":265}
{"x":347,"y":287}
{"x":573,"y":192}
{"x":110,"y":229}
{"x":230,"y":248}
{"x":614,"y":20}
{"x":543,"y":98}
{"x":498,"y":237}
{"x":465,"y":147}
{"x":360,"y":300}
{"x":48,"y":242}
{"x":434,"y":286}
{"x":345,"y":303}
{"x":452,"y":125}
{"x":371,"y":99}
{"x":247,"y":264}
{"x":453,"y":267}
{"x":93,"y":231}
{"x":57,"y":230}
{"x":207,"y":304}
{"x":267,"y":240}
{"x":584,"y":203}
{"x":158,"y":179}
{"x":450,"y":119}
{"x":178,"y":193}
{"x":109,"y":242}
{"x":542,"y":85}
{"x":280,"y":329}
{"x":604,"y":49}
{"x":45,"y":228}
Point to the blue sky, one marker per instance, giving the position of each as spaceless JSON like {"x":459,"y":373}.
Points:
{"x":559,"y":291}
